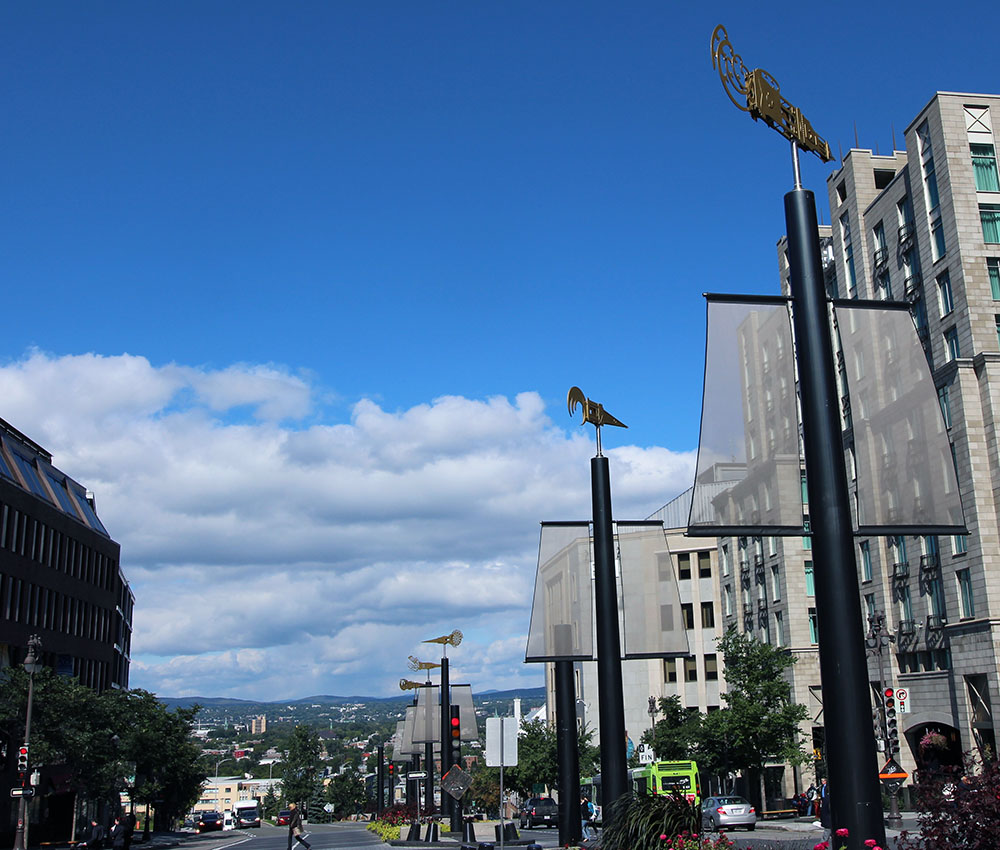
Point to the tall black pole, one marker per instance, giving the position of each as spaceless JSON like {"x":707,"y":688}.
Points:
{"x":428,"y":778}
{"x":380,"y":781}
{"x":569,"y":757}
{"x":855,"y":797}
{"x":610,"y":699}
{"x":446,"y":802}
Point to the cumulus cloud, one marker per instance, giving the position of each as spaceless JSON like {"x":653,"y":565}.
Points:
{"x":275,"y":553}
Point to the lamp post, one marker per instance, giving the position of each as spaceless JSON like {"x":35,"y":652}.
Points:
{"x":652,"y":713}
{"x":32,"y":664}
{"x":220,"y":761}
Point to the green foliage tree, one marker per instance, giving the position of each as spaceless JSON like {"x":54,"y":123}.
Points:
{"x":484,"y":792}
{"x":538,"y":760}
{"x":271,"y":803}
{"x":759,"y":723}
{"x":675,"y":735}
{"x":347,"y":793}
{"x":301,"y":765}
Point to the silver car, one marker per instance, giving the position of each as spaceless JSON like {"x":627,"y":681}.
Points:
{"x":733,"y":812}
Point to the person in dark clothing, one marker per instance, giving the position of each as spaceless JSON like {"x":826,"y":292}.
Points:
{"x":95,"y":837}
{"x":295,"y":827}
{"x":586,"y":817}
{"x":130,"y":822}
{"x":118,"y":834}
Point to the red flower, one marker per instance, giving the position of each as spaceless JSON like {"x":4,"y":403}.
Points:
{"x":842,"y":833}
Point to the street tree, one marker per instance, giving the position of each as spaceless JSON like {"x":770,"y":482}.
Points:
{"x":760,"y":722}
{"x":347,"y":793}
{"x":675,"y":735}
{"x":301,"y":765}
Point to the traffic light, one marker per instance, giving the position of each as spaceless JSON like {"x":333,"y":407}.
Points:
{"x":392,"y":772}
{"x":22,"y":760}
{"x":456,"y":735}
{"x":891,"y":727}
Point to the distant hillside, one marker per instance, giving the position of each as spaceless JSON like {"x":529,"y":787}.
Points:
{"x":241,"y":706}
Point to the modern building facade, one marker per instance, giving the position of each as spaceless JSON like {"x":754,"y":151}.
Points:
{"x":60,"y":571}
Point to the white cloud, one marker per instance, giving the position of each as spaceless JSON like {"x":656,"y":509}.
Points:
{"x":276,"y":556}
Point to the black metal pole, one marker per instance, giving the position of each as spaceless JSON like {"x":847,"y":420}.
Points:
{"x":428,"y":778}
{"x":380,"y":780}
{"x":447,"y":809}
{"x":855,"y":797}
{"x":569,"y":758}
{"x":614,"y":768}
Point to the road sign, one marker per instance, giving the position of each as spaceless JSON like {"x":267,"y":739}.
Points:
{"x":328,"y":808}
{"x":501,"y":741}
{"x":416,"y":774}
{"x":646,"y":754}
{"x":456,"y":782}
{"x":892,"y":771}
{"x":22,"y":792}
{"x":903,"y":700}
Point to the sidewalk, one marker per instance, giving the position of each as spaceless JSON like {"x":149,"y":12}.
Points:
{"x":806,"y":824}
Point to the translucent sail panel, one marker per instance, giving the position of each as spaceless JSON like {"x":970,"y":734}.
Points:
{"x":748,"y":474}
{"x":461,"y":695}
{"x":906,"y":481}
{"x":562,"y":621}
{"x":406,"y":746}
{"x":651,"y":603}
{"x":427,"y":718}
{"x":398,"y":753}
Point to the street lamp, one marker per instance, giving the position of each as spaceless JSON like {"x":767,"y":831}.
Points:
{"x":652,"y":713}
{"x":220,"y":761}
{"x":32,"y":664}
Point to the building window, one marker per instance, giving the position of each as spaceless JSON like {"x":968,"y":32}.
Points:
{"x":937,"y":237}
{"x":805,"y":489}
{"x":687,"y":615}
{"x":810,"y":580}
{"x":944,"y":399}
{"x":905,"y":603}
{"x":704,"y":565}
{"x":775,"y":583}
{"x":691,"y":669}
{"x":807,"y":541}
{"x":813,"y":626}
{"x":711,"y":667}
{"x":707,"y":615}
{"x":993,"y":266}
{"x":845,"y":235}
{"x":866,"y":561}
{"x":952,"y":350}
{"x":989,"y":217}
{"x":965,"y":593}
{"x":727,"y":593}
{"x":779,"y":628}
{"x":927,"y":162}
{"x":684,"y":566}
{"x":984,"y":167}
{"x":961,"y":545}
{"x":726,"y":564}
{"x":945,"y":299}
{"x":669,"y":669}
{"x":869,"y":605}
{"x":936,"y":592}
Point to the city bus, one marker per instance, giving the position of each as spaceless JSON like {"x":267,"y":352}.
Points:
{"x":661,"y":777}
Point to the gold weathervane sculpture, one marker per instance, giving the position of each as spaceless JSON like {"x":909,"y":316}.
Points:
{"x":762,"y":97}
{"x":454,"y":639}
{"x":416,"y":664}
{"x":409,"y":684}
{"x":593,"y":413}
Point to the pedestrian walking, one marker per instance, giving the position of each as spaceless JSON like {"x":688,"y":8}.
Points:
{"x":586,"y":818}
{"x":118,"y":834}
{"x":130,"y":822}
{"x":95,"y":837}
{"x":295,"y":830}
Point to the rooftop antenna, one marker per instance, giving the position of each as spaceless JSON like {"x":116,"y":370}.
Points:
{"x":856,"y":144}
{"x":840,"y":147}
{"x":893,"y":126}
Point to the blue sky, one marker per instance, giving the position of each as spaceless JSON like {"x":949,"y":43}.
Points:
{"x":248,"y":239}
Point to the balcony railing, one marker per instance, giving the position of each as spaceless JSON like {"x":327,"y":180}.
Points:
{"x":901,"y":569}
{"x":930,"y":562}
{"x":880,"y":259}
{"x":936,"y":623}
{"x":912,"y":286}
{"x":907,"y":628}
{"x":905,"y":233}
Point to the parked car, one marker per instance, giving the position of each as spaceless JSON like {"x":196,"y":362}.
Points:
{"x":284,"y":816}
{"x":209,"y":821}
{"x":729,"y":811}
{"x":539,"y":810}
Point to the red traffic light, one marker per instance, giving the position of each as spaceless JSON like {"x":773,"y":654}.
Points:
{"x":455,"y":721}
{"x":890,"y":692}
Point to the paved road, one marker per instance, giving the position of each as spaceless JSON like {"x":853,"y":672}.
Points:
{"x":336,"y":836}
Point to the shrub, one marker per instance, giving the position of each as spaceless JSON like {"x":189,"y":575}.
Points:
{"x":644,"y":822}
{"x":959,"y":808}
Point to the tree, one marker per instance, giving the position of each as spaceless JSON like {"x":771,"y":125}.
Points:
{"x":675,"y":736}
{"x":484,"y":792}
{"x":347,"y":793}
{"x":760,"y":723}
{"x":271,"y":803}
{"x":538,"y":759}
{"x":300,"y":766}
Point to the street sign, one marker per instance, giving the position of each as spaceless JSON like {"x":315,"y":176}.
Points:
{"x":416,"y":774}
{"x":501,"y":741}
{"x":328,"y":808}
{"x":892,"y":771}
{"x":903,"y":700}
{"x":22,"y":792}
{"x":456,"y":782}
{"x":645,"y":754}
